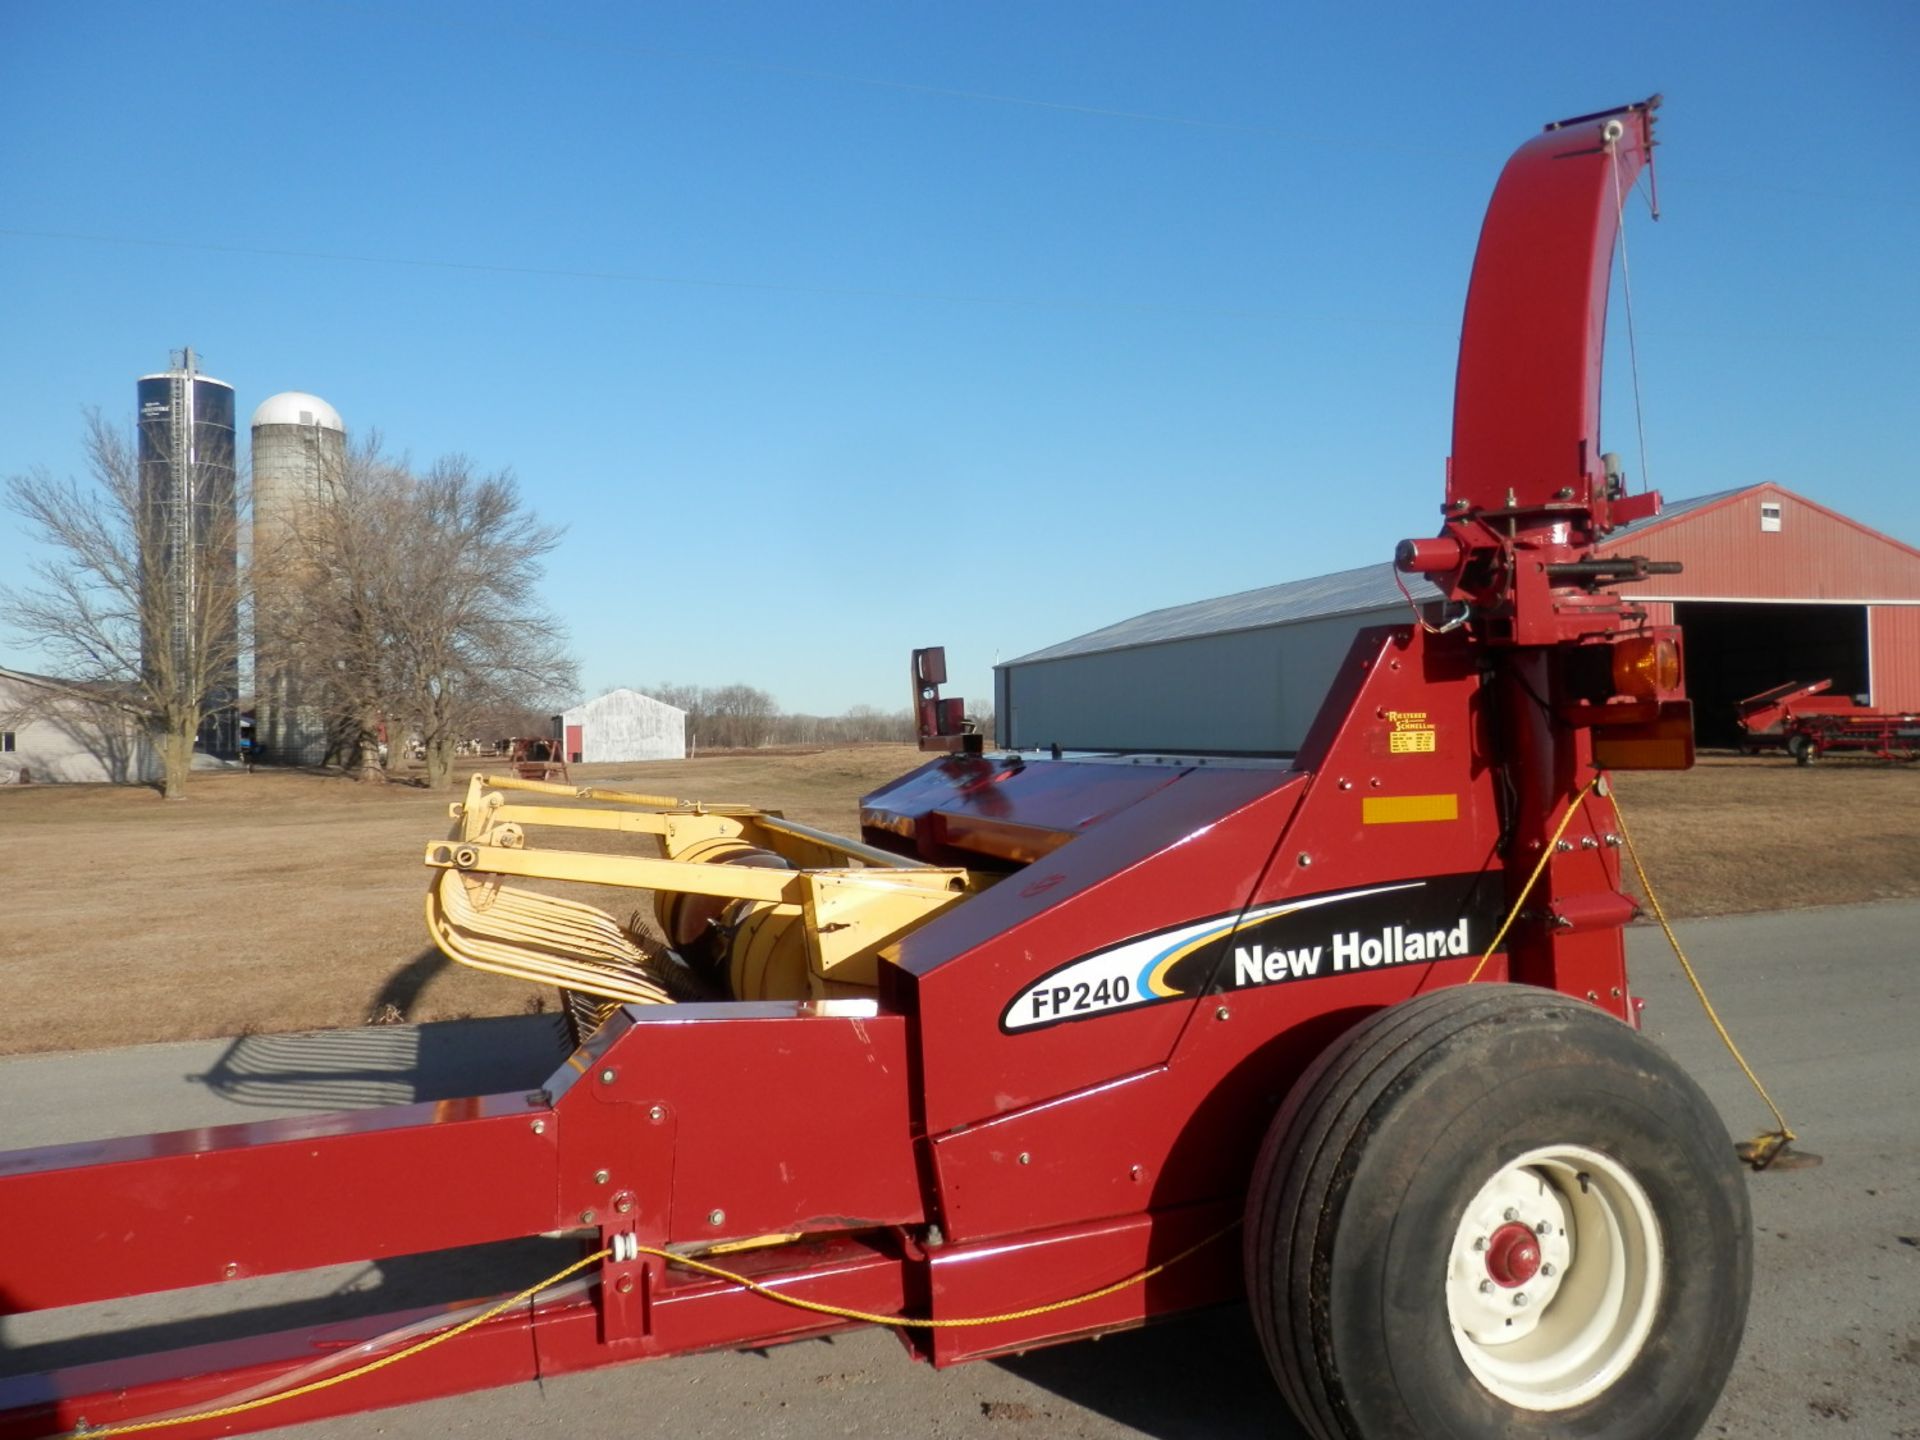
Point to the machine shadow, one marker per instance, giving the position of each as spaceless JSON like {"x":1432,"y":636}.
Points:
{"x":1223,"y":1390}
{"x":389,"y":1064}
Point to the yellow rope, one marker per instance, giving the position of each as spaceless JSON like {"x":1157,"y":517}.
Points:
{"x":871,"y":1318}
{"x":818,"y":1307}
{"x":1765,"y":1147}
{"x":262,"y":1401}
{"x":1546,"y":854}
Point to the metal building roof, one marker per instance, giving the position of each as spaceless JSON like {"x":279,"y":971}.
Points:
{"x":1671,"y":512}
{"x":1345,"y":592}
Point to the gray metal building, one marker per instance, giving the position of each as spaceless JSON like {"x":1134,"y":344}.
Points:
{"x":1243,"y":674}
{"x":299,"y":448}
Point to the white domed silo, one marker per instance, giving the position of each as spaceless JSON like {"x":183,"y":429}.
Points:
{"x":299,"y":447}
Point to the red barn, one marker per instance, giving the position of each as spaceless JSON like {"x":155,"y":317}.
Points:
{"x":1778,"y":588}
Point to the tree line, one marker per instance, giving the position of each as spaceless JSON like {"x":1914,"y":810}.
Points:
{"x":742,"y":717}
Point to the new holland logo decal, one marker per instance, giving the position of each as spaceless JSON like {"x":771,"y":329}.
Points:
{"x":1305,"y":938}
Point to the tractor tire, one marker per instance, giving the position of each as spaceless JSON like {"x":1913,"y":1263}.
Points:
{"x":1801,"y":747}
{"x":1497,"y":1211}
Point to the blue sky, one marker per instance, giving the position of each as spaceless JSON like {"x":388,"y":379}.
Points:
{"x":831,"y":330}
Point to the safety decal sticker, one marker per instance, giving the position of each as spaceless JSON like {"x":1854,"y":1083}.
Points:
{"x":1301,"y":939}
{"x":1413,"y":733}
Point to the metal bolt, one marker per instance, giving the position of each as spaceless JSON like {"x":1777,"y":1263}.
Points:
{"x":1565,"y":492}
{"x":624,"y":1204}
{"x":624,"y":1284}
{"x":1611,"y":839}
{"x":1563,"y":846}
{"x":539,"y":1127}
{"x":716,"y":1217}
{"x":599,"y":1177}
{"x":231,"y":1270}
{"x":1305,"y":859}
{"x":586,"y":1217}
{"x":1134,"y":1173}
{"x":1480,"y":1243}
{"x":1345,"y":784}
{"x":1587,"y":842}
{"x":607,"y":1076}
{"x":1520,"y":1301}
{"x":1486,"y":1287}
{"x":1547,"y":1270}
{"x":657,"y":1113}
{"x":1222,"y":1013}
{"x":1545,"y":1227}
{"x":1510,"y":1215}
{"x":1024,"y":1158}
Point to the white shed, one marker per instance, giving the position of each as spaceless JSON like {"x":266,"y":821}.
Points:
{"x":53,"y":731}
{"x":623,"y":725}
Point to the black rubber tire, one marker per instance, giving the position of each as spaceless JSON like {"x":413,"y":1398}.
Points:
{"x":1374,"y":1158}
{"x":1802,"y":749}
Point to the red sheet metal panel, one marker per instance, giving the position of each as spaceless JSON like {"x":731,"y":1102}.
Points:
{"x":195,"y":1207}
{"x":1816,"y":554}
{"x":1894,"y":647}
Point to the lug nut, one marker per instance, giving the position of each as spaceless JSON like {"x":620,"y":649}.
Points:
{"x":1545,"y":1227}
{"x":1520,"y":1300}
{"x":1480,"y":1243}
{"x":1486,"y":1287}
{"x":1510,"y":1215}
{"x":1547,"y":1269}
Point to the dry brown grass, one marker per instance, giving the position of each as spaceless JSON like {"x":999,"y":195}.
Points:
{"x":281,"y":901}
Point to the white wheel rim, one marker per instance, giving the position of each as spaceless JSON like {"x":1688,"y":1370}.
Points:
{"x":1548,"y":1323}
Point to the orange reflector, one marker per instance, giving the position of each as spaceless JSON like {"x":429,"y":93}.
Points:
{"x":1665,"y":743}
{"x":1646,"y":666}
{"x":1400,"y":809}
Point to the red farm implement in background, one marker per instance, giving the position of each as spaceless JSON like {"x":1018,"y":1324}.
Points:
{"x":1807,"y":722}
{"x":1064,"y":1045}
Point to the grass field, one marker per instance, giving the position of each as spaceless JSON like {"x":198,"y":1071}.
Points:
{"x":282,"y":901}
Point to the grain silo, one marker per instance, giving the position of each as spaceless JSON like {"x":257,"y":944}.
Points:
{"x":189,"y":537}
{"x":299,"y":449}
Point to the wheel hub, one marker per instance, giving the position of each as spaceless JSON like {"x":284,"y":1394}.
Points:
{"x":1553,"y":1277}
{"x":1513,"y":1255}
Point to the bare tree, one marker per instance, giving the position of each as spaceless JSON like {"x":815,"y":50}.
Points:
{"x":421,"y":592}
{"x":125,"y":607}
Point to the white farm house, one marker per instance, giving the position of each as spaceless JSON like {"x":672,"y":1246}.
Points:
{"x":623,"y":725}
